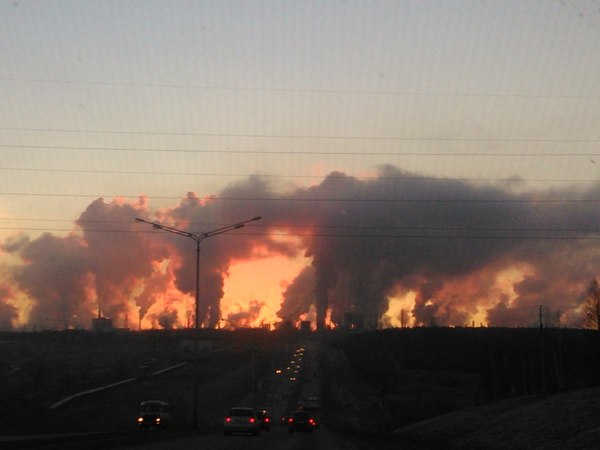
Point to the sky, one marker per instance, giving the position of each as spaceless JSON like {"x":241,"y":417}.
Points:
{"x":414,"y":162}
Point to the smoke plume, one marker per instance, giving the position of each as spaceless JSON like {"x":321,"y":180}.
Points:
{"x":458,"y":250}
{"x":8,"y":312}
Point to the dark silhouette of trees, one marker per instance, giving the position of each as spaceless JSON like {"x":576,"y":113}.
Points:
{"x":592,"y":305}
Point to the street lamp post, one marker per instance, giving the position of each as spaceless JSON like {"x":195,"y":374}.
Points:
{"x":198,"y":238}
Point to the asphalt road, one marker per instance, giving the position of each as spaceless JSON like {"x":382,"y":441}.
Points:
{"x":293,"y":379}
{"x":299,"y":373}
{"x":277,"y":439}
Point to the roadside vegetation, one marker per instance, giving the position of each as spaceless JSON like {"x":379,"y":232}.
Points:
{"x":375,"y":382}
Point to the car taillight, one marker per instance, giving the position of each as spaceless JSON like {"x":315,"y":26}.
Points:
{"x":227,"y":419}
{"x":267,"y":420}
{"x":290,"y":420}
{"x":311,"y":421}
{"x":252,"y":419}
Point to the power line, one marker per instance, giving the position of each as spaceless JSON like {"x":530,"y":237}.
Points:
{"x":344,"y":235}
{"x":329,"y":176}
{"x":297,"y":90}
{"x":311,"y":200}
{"x":295,"y":136}
{"x":195,"y":225}
{"x":324,"y":137}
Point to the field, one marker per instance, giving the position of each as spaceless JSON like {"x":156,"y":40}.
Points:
{"x":381,"y":380}
{"x":567,"y":420}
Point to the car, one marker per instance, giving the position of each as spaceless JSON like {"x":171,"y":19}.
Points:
{"x":153,"y":414}
{"x":314,"y":413}
{"x":265,"y":419}
{"x":241,"y":419}
{"x":301,"y":421}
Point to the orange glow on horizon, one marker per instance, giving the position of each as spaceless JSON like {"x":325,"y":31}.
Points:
{"x":262,"y":280}
{"x":399,"y":311}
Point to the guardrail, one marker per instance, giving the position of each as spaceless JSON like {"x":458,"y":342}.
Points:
{"x":87,"y":441}
{"x":61,"y":402}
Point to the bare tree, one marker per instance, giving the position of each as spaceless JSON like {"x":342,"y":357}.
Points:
{"x":592,"y":305}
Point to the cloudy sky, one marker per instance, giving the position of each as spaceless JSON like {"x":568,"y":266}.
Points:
{"x":436,"y":161}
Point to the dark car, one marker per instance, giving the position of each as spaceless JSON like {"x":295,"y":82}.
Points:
{"x":153,"y":414}
{"x":265,"y":419}
{"x":313,"y":410}
{"x":301,"y":421}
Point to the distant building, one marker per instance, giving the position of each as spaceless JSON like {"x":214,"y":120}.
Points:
{"x":354,"y":321}
{"x":102,"y":324}
{"x":285,"y":325}
{"x":305,"y":326}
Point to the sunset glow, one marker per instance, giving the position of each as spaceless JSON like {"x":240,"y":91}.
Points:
{"x":400,"y":170}
{"x":399,"y":313}
{"x":261,"y":280}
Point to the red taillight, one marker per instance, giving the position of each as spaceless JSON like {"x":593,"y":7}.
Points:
{"x":290,"y":420}
{"x":252,"y":419}
{"x":311,"y":421}
{"x":227,"y":419}
{"x":267,"y":420}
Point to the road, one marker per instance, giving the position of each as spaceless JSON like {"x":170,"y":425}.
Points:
{"x":295,"y":377}
{"x":277,"y":439}
{"x":292,"y":382}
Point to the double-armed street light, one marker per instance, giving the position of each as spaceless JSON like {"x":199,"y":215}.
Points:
{"x":198,"y":238}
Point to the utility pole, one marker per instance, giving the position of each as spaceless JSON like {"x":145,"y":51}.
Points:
{"x":542,"y":353}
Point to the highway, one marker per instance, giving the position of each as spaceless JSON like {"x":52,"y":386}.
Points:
{"x":277,"y":439}
{"x":294,"y":379}
{"x":292,"y":382}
